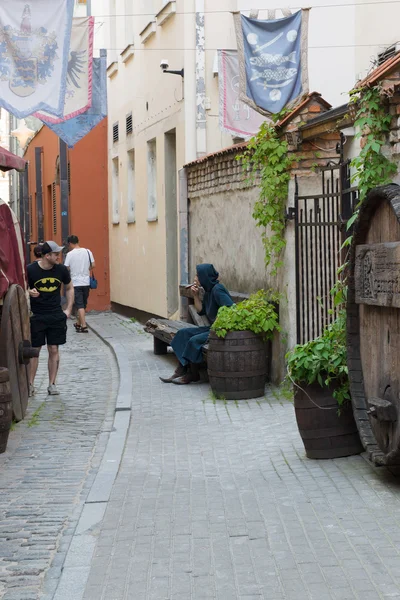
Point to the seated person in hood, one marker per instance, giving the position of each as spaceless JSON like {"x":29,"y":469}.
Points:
{"x":187,"y":343}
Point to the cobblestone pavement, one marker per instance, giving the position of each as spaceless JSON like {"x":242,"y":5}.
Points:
{"x":216,"y":500}
{"x":50,"y":463}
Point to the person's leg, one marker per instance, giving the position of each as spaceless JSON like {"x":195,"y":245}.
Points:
{"x":194,"y":355}
{"x":56,"y":336}
{"x":178,"y":345}
{"x":38,"y":339}
{"x":80,"y":303}
{"x":32,"y":370}
{"x":54,"y":362}
{"x":81,"y":317}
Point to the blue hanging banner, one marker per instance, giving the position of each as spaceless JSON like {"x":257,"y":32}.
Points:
{"x":73,"y":130}
{"x":273,"y":61}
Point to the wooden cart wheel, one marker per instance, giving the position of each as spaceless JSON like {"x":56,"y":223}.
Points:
{"x":373,"y":324}
{"x":15,"y":347}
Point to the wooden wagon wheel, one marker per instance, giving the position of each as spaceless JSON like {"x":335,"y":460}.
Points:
{"x":373,"y":324}
{"x":15,"y":347}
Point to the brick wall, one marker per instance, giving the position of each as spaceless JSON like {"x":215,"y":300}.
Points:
{"x":217,"y":173}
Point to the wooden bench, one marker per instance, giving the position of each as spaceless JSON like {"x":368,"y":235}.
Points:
{"x":164,"y":330}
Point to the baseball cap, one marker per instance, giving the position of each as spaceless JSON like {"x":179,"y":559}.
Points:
{"x":50,"y":246}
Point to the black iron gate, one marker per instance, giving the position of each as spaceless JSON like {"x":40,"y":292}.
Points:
{"x":320,"y":229}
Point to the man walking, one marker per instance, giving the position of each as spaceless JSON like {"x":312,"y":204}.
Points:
{"x":80,"y":262}
{"x":49,"y":321}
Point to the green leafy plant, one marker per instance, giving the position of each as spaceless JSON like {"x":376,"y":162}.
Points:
{"x":258,"y":314}
{"x":371,"y":167}
{"x":323,"y":360}
{"x":267,"y":157}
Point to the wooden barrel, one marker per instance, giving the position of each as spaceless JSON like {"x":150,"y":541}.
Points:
{"x":373,"y":324}
{"x":5,"y":408}
{"x":237,"y":365}
{"x":324,"y":432}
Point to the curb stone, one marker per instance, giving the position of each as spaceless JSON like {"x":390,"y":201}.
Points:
{"x":76,"y":568}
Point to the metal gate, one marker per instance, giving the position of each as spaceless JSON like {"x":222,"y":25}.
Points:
{"x":320,"y":230}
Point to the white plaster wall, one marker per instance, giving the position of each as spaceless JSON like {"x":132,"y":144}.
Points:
{"x":138,"y":249}
{"x":377,"y":27}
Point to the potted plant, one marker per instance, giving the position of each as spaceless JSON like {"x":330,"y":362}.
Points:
{"x":239,"y":346}
{"x":324,"y":414}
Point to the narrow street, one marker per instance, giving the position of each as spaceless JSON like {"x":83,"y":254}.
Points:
{"x":207,"y":499}
{"x":48,"y":469}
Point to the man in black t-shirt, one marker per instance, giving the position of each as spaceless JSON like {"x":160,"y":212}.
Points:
{"x":49,"y":321}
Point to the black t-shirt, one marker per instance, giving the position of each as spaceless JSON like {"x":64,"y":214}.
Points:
{"x":48,"y":283}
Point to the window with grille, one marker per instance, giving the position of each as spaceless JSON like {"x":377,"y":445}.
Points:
{"x":152,"y":211}
{"x":54,"y":205}
{"x":129,"y":124}
{"x":115,"y":133}
{"x":131,"y":186}
{"x":115,"y":191}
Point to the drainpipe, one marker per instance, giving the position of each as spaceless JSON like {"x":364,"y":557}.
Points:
{"x":201,"y":132}
{"x":183,"y":236}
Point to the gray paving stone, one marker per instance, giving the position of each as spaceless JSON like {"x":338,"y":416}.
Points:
{"x":220,"y":497}
{"x":49,"y":458}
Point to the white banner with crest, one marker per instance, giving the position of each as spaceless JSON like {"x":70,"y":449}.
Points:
{"x":78,"y":97}
{"x":34,"y":48}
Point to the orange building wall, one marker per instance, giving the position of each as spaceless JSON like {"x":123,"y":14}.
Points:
{"x":88,"y":200}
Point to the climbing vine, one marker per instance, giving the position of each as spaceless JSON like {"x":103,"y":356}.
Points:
{"x":371,"y":167}
{"x":267,"y":157}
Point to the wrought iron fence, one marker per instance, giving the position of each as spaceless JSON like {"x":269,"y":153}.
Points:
{"x":320,"y":230}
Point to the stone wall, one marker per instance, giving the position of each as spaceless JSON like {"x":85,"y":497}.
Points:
{"x":222,"y":229}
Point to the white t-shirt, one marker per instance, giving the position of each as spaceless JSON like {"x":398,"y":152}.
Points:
{"x":78,"y":262}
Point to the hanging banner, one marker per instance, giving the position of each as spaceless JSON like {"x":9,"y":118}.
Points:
{"x":75,"y":129}
{"x":34,"y":47}
{"x":273,"y":61}
{"x":235,"y":117}
{"x":78,"y":96}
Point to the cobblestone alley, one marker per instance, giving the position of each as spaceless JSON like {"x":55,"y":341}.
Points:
{"x":197,"y":499}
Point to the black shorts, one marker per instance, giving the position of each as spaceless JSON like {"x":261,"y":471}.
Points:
{"x":81,"y":296}
{"x":49,"y":329}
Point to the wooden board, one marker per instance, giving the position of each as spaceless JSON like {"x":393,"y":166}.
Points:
{"x":199,"y":320}
{"x":377,"y":274}
{"x":14,"y":331}
{"x":373,"y":325}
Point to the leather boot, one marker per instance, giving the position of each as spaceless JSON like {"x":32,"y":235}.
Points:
{"x":191,"y":376}
{"x":179,"y":372}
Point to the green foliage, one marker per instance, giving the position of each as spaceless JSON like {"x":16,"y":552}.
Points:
{"x":257,"y":313}
{"x":371,"y":167}
{"x":323,"y":360}
{"x":267,"y":156}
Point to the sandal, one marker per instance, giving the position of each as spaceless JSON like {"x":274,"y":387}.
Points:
{"x":77,"y":327}
{"x":82,"y":330}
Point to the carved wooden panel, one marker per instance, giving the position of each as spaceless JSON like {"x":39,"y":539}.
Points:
{"x":377,"y":274}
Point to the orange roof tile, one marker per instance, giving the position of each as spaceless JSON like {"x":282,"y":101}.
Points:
{"x":383,"y":69}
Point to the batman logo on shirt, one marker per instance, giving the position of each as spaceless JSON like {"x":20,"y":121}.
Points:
{"x":48,"y":284}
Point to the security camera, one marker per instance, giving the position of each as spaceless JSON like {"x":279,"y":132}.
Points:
{"x":164,"y":64}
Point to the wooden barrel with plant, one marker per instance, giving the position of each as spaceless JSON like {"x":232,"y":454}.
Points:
{"x":323,"y":409}
{"x":5,"y":408}
{"x":373,"y":324}
{"x":239,"y":348}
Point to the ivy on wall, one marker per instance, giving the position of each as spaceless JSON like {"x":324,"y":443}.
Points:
{"x":267,"y":157}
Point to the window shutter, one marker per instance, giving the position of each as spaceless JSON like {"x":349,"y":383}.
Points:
{"x":129,"y":124}
{"x":115,"y":133}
